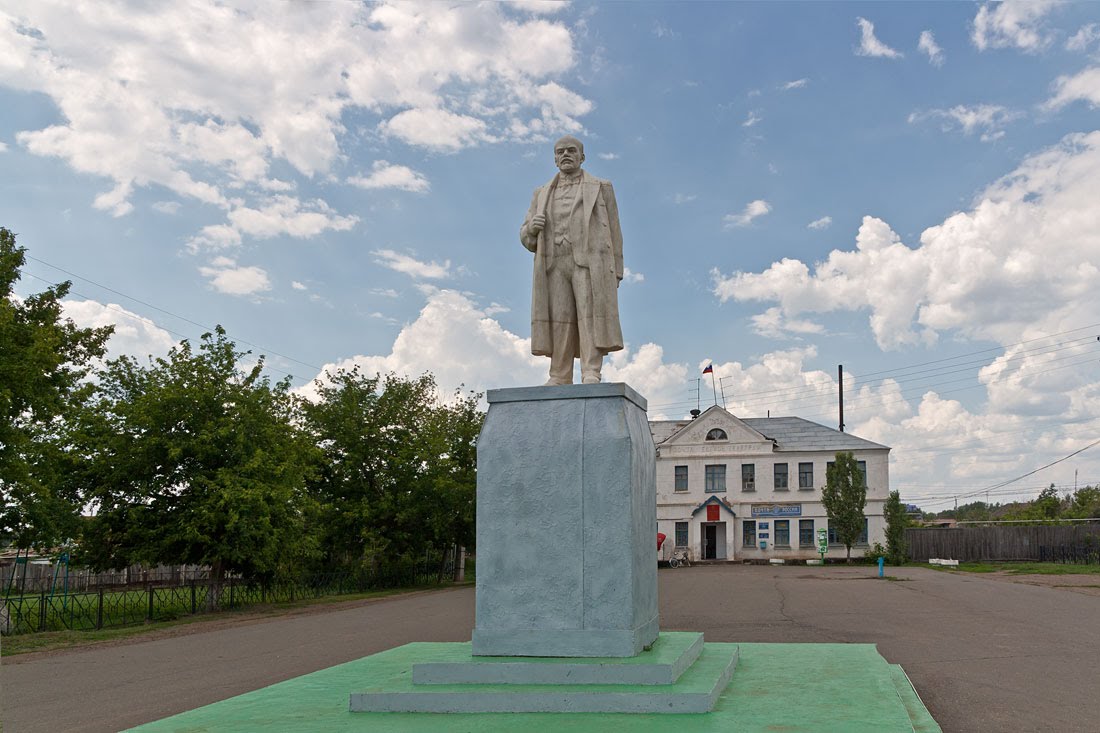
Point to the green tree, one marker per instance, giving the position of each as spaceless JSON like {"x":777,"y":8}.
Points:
{"x":195,"y":459}
{"x":44,"y":359}
{"x":844,"y":496}
{"x":1084,"y":504}
{"x":897,"y":520}
{"x":398,"y":473}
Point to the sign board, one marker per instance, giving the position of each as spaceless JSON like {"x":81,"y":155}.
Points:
{"x":777,"y":510}
{"x":763,"y":535}
{"x":712,"y":513}
{"x":822,"y":540}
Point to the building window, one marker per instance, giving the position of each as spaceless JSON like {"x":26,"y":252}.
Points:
{"x":781,"y":476}
{"x":861,"y":540}
{"x":748,"y":533}
{"x":717,"y":434}
{"x":716,"y":479}
{"x":805,"y":475}
{"x":783,"y":532}
{"x":806,"y":533}
{"x":681,"y":534}
{"x":681,"y":478}
{"x":748,"y":477}
{"x":862,"y":466}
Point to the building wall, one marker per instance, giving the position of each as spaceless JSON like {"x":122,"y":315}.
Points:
{"x":677,"y":506}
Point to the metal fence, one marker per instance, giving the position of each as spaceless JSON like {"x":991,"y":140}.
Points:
{"x":106,"y":608}
{"x":1077,"y":543}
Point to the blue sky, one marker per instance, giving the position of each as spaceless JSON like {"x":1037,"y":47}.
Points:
{"x":905,"y":188}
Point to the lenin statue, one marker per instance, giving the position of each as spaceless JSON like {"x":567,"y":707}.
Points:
{"x":573,"y":229}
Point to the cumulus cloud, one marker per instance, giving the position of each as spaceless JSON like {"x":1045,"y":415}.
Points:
{"x":134,"y":335}
{"x":411,"y":266}
{"x":167,"y":207}
{"x":630,"y":276}
{"x":298,"y":286}
{"x":278,"y":215}
{"x":3,"y":146}
{"x":869,"y":45}
{"x":988,"y":119}
{"x":1012,"y":24}
{"x":796,"y":84}
{"x":683,"y":198}
{"x":1081,"y":87}
{"x":608,"y":156}
{"x":390,"y":175}
{"x":1085,"y":36}
{"x":819,"y":224}
{"x":226,"y":276}
{"x":986,"y":273}
{"x":772,"y":323}
{"x":753,"y":210}
{"x":753,"y":118}
{"x":928,"y":46}
{"x":204,"y":99}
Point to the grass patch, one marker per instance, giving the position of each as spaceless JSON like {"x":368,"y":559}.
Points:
{"x":1020,"y":568}
{"x":67,"y":639}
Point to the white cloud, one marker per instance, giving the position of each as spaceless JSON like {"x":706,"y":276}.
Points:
{"x":663,"y":31}
{"x":752,"y":119}
{"x":203,"y":99}
{"x":460,"y":344}
{"x":683,"y":198}
{"x":987,"y":273}
{"x":384,"y":292}
{"x":1012,"y":24}
{"x":134,"y":335}
{"x":389,"y":175}
{"x":277,"y":215}
{"x":1085,"y":36}
{"x":772,"y":323}
{"x":822,"y":223}
{"x":869,"y":45}
{"x":297,"y":285}
{"x":226,"y":276}
{"x":927,"y":44}
{"x":989,"y":119}
{"x":411,"y":266}
{"x":3,"y":147}
{"x":647,"y":372}
{"x":608,"y":156}
{"x":540,"y":7}
{"x":752,"y":210}
{"x":167,"y":207}
{"x":796,"y":84}
{"x":629,"y":276}
{"x":1083,"y":86}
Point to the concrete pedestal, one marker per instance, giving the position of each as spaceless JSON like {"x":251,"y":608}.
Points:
{"x":566,"y":524}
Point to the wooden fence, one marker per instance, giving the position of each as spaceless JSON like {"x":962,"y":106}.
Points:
{"x":1000,"y":542}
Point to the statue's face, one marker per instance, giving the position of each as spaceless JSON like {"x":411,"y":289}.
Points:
{"x":568,"y":155}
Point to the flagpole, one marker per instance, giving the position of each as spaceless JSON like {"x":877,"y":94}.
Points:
{"x":712,"y":387}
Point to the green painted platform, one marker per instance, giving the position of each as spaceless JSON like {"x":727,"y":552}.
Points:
{"x":841,"y":688}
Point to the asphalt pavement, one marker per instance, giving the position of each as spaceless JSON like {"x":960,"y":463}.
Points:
{"x":984,"y":654}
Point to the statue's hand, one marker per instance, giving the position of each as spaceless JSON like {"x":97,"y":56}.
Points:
{"x":538,"y":223}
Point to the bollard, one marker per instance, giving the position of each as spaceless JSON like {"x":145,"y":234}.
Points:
{"x":881,"y":562}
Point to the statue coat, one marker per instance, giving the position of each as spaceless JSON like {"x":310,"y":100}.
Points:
{"x":601,"y":251}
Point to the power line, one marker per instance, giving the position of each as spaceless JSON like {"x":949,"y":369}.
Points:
{"x":205,"y":327}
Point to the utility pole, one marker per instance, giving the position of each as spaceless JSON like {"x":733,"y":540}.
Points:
{"x":840,"y":380}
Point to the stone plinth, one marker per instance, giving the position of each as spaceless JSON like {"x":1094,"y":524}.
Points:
{"x":566,"y":523}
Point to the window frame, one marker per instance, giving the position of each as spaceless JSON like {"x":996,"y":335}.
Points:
{"x":805,"y":476}
{"x":751,"y":484}
{"x":786,"y":526}
{"x":776,"y":474}
{"x":710,"y":478}
{"x":676,"y":478}
{"x":685,"y":526}
{"x":748,"y":533}
{"x":802,"y":523}
{"x":717,"y":434}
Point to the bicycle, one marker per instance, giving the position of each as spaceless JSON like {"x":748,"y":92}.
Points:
{"x":679,"y":559}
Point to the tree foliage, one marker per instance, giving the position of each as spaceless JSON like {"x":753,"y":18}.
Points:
{"x":44,"y":359}
{"x":196,"y":459}
{"x":844,"y":496}
{"x":897,"y":520}
{"x":398,"y":472}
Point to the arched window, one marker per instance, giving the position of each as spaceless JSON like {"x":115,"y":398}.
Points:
{"x":717,"y":434}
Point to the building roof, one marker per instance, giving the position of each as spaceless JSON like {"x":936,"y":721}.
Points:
{"x":788,"y":433}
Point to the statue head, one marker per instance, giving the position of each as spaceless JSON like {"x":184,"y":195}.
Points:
{"x":568,"y":154}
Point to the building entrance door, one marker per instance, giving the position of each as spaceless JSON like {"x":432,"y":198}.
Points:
{"x":710,"y":542}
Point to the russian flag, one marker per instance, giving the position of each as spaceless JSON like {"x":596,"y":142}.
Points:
{"x":709,"y":369}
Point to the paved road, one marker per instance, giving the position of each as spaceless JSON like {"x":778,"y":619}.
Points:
{"x":984,"y":654}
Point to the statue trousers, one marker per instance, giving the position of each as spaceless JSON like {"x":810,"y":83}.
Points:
{"x":570,"y":300}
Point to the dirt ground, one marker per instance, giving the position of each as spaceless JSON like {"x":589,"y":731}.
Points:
{"x":986,"y":652}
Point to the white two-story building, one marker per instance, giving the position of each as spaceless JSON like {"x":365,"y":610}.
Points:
{"x":733,"y":488}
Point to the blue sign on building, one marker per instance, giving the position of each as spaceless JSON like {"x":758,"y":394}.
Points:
{"x":777,"y":510}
